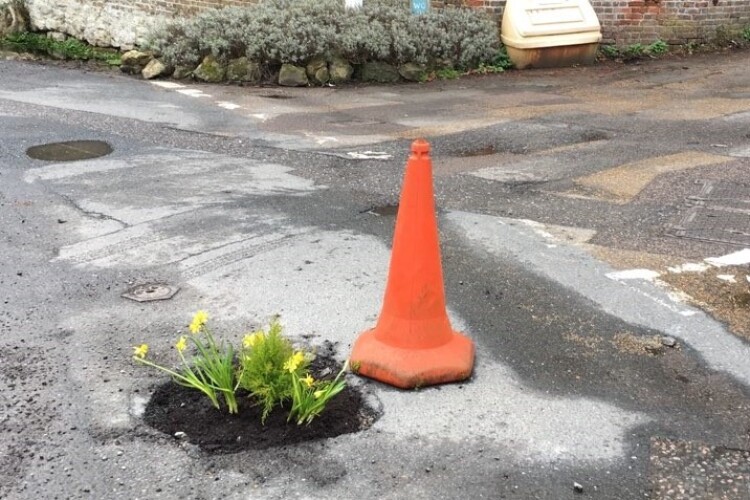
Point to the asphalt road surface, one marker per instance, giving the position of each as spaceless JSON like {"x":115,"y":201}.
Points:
{"x":265,"y":201}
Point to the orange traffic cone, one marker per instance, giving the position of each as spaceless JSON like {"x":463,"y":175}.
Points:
{"x":413,"y":344}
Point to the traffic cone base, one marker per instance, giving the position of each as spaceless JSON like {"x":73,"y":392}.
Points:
{"x":408,"y":368}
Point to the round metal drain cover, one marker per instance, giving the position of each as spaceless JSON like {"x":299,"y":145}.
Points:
{"x":69,"y":151}
{"x":151,"y":291}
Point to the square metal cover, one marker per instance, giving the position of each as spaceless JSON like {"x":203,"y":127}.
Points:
{"x":719,"y":212}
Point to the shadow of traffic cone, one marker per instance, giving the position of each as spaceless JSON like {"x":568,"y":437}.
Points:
{"x":413,"y":344}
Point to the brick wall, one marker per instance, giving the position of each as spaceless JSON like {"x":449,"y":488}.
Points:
{"x":674,"y":21}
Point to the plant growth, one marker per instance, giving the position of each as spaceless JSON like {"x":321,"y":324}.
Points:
{"x":635,"y":51}
{"x":268,"y":363}
{"x":70,"y":49}
{"x":267,"y":367}
{"x":212,"y":369}
{"x":273,"y":32}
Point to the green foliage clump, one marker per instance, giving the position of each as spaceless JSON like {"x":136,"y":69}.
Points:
{"x":70,"y":49}
{"x":267,"y":363}
{"x":267,"y":367}
{"x":657,"y":48}
{"x":635,"y":51}
{"x":746,"y":34}
{"x":610,"y":51}
{"x":273,"y":32}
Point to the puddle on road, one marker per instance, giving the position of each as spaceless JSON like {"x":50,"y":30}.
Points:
{"x":276,"y":96}
{"x":69,"y":151}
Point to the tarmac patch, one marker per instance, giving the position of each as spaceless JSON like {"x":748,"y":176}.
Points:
{"x":621,"y":184}
{"x":684,"y":470}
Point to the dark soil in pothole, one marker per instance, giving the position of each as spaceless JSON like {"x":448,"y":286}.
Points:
{"x":174,"y":408}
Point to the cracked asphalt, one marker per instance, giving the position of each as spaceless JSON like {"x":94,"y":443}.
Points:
{"x":265,"y":201}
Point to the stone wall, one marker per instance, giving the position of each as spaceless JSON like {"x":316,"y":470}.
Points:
{"x":124,"y":23}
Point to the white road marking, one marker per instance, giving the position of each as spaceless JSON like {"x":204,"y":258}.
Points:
{"x":228,"y":105}
{"x":732,"y":259}
{"x":633,"y":274}
{"x":689,"y":267}
{"x":168,"y":85}
{"x":193,"y":92}
{"x":729,"y":278}
{"x":369,"y":155}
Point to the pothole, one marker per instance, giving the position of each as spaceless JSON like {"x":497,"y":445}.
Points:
{"x":69,"y":151}
{"x":149,"y":292}
{"x":482,"y":151}
{"x":187,"y":414}
{"x":594,"y":135}
{"x":276,"y":96}
{"x":383,"y":210}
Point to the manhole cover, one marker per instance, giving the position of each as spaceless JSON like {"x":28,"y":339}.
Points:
{"x":151,"y":291}
{"x":69,"y":151}
{"x":719,"y":213}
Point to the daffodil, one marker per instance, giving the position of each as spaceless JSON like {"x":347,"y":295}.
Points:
{"x":199,"y":321}
{"x":250,"y":340}
{"x":309,"y":381}
{"x":319,"y":393}
{"x":181,"y":344}
{"x":294,"y":361}
{"x":140,"y":351}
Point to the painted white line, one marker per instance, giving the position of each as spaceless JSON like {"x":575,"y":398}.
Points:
{"x":193,"y":92}
{"x":369,"y":155}
{"x":228,"y":105}
{"x":689,"y":267}
{"x":168,"y":85}
{"x":732,"y":259}
{"x":633,"y":274}
{"x":538,"y":228}
{"x":320,"y":140}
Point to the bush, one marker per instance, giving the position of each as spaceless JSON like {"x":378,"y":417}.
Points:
{"x":273,"y":32}
{"x":265,"y":370}
{"x":216,"y":32}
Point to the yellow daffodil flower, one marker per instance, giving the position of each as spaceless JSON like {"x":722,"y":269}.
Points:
{"x":294,"y":361}
{"x":181,"y":344}
{"x":199,"y":321}
{"x":250,"y":340}
{"x":140,"y":351}
{"x":309,"y":381}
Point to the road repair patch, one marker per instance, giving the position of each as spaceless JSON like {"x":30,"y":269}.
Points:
{"x":622,"y":183}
